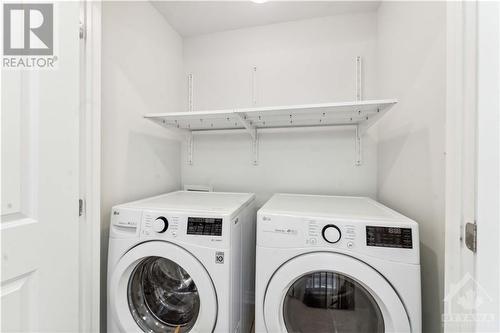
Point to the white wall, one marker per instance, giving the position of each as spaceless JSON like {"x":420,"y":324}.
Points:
{"x":411,"y":54}
{"x":141,"y":72}
{"x":297,"y":62}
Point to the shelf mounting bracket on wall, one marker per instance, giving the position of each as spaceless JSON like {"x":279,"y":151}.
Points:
{"x":250,"y":128}
{"x":190,"y":146}
{"x":359,"y":155}
{"x":190,"y":92}
{"x":359,"y":97}
{"x":254,"y":85}
{"x":359,"y":78}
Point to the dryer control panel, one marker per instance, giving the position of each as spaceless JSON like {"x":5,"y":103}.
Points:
{"x":391,"y":240}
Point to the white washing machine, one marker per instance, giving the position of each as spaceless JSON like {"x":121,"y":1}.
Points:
{"x":182,"y":262}
{"x":335,"y":264}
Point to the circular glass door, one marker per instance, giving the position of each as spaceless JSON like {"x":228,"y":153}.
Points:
{"x":162,"y":296}
{"x":327,"y":292}
{"x":158,"y":286}
{"x":330,"y":302}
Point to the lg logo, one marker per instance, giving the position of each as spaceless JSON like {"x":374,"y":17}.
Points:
{"x":28,"y":29}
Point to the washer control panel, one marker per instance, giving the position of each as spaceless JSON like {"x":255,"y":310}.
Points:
{"x":212,"y":231}
{"x":190,"y":228}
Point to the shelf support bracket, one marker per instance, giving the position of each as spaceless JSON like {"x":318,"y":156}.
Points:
{"x":255,"y":148}
{"x":190,"y":147}
{"x":359,"y":155}
{"x":252,"y":131}
{"x":190,"y":92}
{"x":254,"y":85}
{"x":359,"y":78}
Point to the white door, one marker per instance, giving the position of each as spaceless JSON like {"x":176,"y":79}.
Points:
{"x":472,"y":292}
{"x":330,"y":292}
{"x":160,"y":287}
{"x":39,"y":203}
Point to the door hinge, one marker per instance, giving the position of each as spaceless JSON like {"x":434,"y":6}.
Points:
{"x":471,"y":236}
{"x":83,"y":31}
{"x":81,"y":204}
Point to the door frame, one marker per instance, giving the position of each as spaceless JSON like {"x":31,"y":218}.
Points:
{"x":488,"y":164}
{"x":472,"y":166}
{"x":460,"y":70}
{"x":461,"y":124}
{"x":90,"y":165}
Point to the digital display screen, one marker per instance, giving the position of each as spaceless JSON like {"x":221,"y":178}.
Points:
{"x":389,"y":237}
{"x":204,"y":226}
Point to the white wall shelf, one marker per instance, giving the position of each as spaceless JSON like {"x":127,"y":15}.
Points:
{"x":360,"y":115}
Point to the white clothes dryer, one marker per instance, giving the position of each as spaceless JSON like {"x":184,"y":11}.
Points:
{"x":182,"y":262}
{"x":335,"y":264}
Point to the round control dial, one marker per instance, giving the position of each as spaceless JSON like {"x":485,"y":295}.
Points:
{"x":331,"y":233}
{"x":160,"y":224}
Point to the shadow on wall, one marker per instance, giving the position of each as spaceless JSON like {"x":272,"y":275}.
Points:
{"x":430,"y":277}
{"x":148,"y":166}
{"x":406,"y":167}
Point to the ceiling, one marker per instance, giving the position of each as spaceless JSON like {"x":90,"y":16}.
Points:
{"x":192,"y":18}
